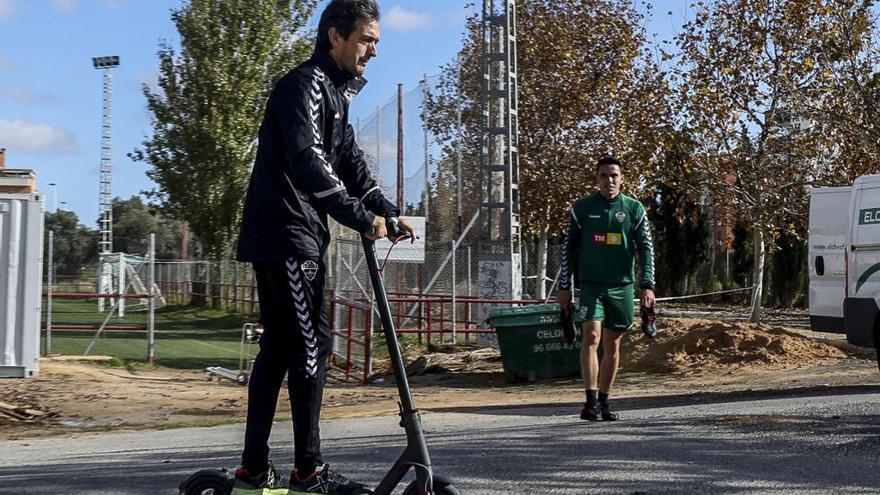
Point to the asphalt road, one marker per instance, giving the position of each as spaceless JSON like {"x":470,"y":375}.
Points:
{"x":816,"y":441}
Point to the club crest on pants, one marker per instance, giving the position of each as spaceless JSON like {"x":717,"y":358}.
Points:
{"x":310,"y":269}
{"x":583,"y":312}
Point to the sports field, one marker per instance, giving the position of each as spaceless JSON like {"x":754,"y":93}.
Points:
{"x":186,"y":337}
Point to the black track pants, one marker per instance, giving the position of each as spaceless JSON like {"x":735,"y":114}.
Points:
{"x":296,"y":341}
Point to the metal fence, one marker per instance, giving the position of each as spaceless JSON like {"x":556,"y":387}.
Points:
{"x":436,"y":299}
{"x":231,"y":285}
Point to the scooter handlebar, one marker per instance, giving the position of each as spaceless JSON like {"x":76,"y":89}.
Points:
{"x":391,"y":223}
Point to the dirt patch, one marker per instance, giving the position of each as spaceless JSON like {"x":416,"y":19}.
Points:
{"x":486,"y":360}
{"x":695,"y":356}
{"x":692,"y":346}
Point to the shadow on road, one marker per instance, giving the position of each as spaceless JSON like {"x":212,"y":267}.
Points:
{"x":659,"y":401}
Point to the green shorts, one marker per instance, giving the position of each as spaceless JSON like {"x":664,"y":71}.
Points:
{"x":613,"y":305}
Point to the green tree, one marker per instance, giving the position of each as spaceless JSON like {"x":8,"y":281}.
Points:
{"x":210,"y":104}
{"x":680,"y":242}
{"x":788,"y":271}
{"x":169,"y":239}
{"x":132,"y":225}
{"x":75,"y":246}
{"x":683,"y":232}
{"x":134,"y":221}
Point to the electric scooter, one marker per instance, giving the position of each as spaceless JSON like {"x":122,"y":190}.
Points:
{"x":415,"y":455}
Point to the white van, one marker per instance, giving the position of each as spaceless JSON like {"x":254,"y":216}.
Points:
{"x":844,"y":257}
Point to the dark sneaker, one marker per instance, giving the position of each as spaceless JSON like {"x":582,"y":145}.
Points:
{"x":325,"y":480}
{"x":265,"y":483}
{"x":607,"y":413}
{"x":648,"y":319}
{"x":590,"y":412}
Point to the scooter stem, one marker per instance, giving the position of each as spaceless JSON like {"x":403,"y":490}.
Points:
{"x":394,"y":353}
{"x":416,"y":453}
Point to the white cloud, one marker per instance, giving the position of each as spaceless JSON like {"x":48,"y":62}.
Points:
{"x":21,"y":136}
{"x":25,"y":96}
{"x":64,"y":6}
{"x":400,"y":19}
{"x":7,"y":10}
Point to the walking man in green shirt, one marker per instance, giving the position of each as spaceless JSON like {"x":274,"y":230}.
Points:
{"x":607,"y":231}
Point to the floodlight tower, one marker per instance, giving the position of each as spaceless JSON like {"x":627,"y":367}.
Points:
{"x":104,"y":206}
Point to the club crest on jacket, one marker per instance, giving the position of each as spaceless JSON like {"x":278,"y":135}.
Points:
{"x":310,"y":269}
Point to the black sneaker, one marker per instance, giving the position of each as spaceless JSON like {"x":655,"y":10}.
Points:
{"x":590,"y":412}
{"x":648,"y":319}
{"x":325,"y":480}
{"x":607,"y":413}
{"x":265,"y":483}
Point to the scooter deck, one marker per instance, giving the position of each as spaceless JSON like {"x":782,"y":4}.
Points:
{"x":265,"y":491}
{"x":269,"y":491}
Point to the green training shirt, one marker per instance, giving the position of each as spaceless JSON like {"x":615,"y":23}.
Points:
{"x":603,"y":240}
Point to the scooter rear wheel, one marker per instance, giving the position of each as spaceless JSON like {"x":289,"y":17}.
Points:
{"x":208,"y":482}
{"x":442,"y":486}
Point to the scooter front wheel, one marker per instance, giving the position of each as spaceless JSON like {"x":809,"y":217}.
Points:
{"x":442,"y":486}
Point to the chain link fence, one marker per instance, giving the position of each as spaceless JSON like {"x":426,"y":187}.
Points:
{"x":437,"y":298}
{"x":231,"y":285}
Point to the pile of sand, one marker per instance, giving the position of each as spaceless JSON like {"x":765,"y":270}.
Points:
{"x":683,"y":345}
{"x":700,"y":346}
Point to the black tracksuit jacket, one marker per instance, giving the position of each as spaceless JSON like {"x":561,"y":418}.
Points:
{"x":308,"y":165}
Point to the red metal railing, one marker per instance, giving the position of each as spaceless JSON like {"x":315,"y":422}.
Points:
{"x":348,"y":331}
{"x":431,"y":318}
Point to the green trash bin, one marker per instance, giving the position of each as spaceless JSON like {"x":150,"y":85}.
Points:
{"x":531,"y":343}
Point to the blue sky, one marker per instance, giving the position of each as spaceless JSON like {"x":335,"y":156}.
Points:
{"x":50,"y":95}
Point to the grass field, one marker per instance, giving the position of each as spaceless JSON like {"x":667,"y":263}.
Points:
{"x":186,"y":337}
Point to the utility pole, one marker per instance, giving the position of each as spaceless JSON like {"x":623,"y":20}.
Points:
{"x":400,"y":201}
{"x":427,"y":152}
{"x":499,"y":261}
{"x":458,"y":144}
